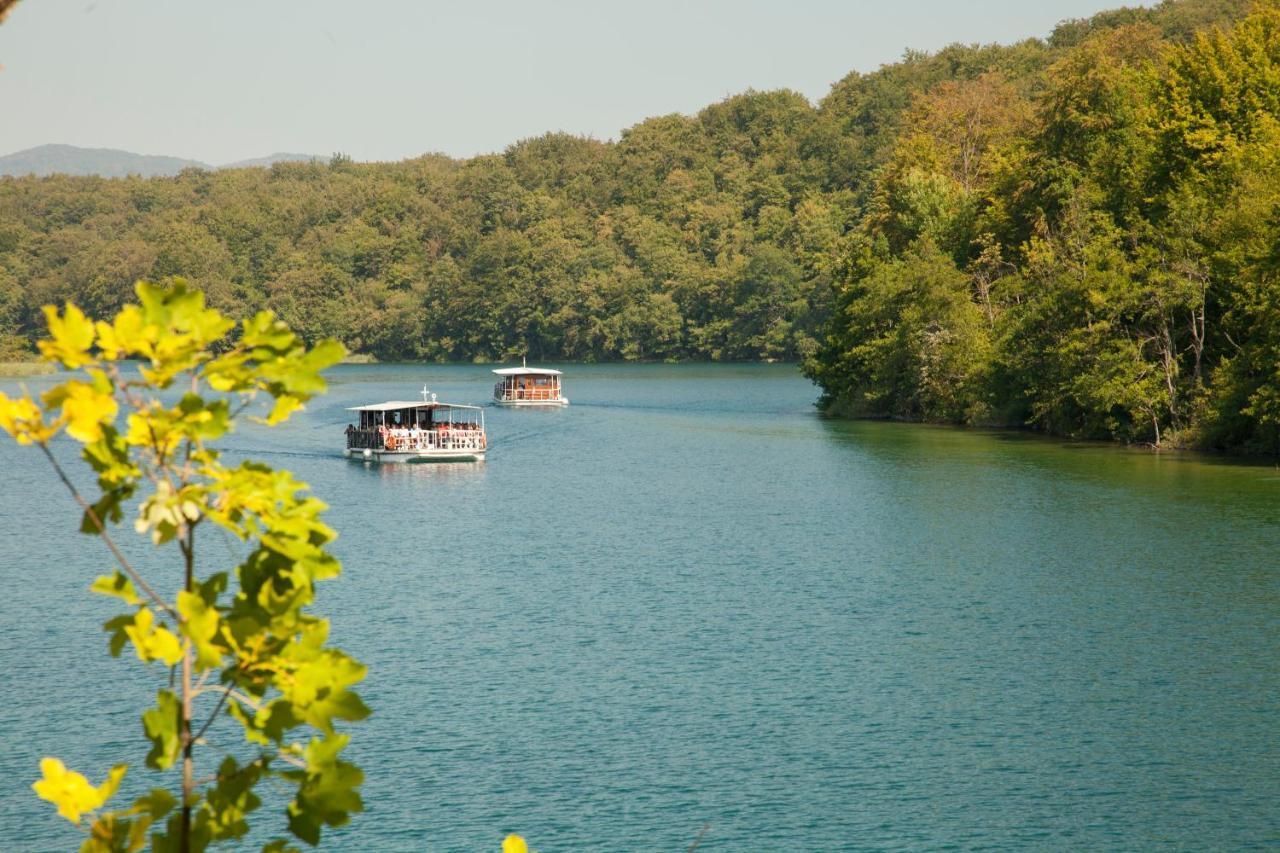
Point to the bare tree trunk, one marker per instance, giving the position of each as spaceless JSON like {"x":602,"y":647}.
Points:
{"x":983,"y":281}
{"x":1168,"y":360}
{"x":1198,"y":329}
{"x":968,"y":151}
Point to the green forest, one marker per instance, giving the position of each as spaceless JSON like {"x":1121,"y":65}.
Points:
{"x":1089,"y":246}
{"x":1080,"y":234}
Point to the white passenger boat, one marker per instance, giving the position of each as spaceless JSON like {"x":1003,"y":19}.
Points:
{"x":417,"y":432}
{"x":528,"y":386}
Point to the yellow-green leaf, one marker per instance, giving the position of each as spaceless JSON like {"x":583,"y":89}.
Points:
{"x":71,"y":791}
{"x":285,"y":406}
{"x":200,"y":626}
{"x":127,"y":335}
{"x":152,"y":642}
{"x":70,"y":337}
{"x":162,"y":725}
{"x":118,"y":585}
{"x":22,"y":419}
{"x":84,"y":408}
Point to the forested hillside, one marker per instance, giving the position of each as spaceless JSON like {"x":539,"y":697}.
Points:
{"x":1092,"y":250}
{"x":1077,"y":233}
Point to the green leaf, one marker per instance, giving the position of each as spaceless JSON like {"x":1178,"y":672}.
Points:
{"x":106,"y":510}
{"x":200,"y":626}
{"x":264,"y":331}
{"x":327,"y":795}
{"x":213,"y":587}
{"x":158,"y":803}
{"x":319,"y":686}
{"x":277,"y":718}
{"x":170,"y":840}
{"x":206,"y":420}
{"x":252,"y":733}
{"x":163,"y":724}
{"x":279,"y":845}
{"x":116,"y":627}
{"x":128,"y":829}
{"x":325,"y":353}
{"x":118,"y":585}
{"x":113,"y":832}
{"x":229,"y":802}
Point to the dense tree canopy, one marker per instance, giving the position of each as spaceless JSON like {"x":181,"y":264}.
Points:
{"x":1076,"y":233}
{"x":1089,"y":248}
{"x":704,"y":237}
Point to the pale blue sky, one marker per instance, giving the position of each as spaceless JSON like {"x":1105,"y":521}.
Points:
{"x":387,"y":79}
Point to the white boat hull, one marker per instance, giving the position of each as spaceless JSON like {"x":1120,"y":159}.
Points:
{"x":435,"y":455}
{"x":521,"y":404}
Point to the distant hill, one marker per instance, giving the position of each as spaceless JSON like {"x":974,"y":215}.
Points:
{"x":107,"y":162}
{"x":274,"y":158}
{"x":111,"y":163}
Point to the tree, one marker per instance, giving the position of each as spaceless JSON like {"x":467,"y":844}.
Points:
{"x":910,"y":342}
{"x":250,"y":650}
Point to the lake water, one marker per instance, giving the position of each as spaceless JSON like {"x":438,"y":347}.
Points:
{"x":688,"y":601}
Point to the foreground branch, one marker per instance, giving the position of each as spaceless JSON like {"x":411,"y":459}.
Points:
{"x":106,"y":537}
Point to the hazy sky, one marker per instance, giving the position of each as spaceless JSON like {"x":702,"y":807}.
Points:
{"x":388,"y":79}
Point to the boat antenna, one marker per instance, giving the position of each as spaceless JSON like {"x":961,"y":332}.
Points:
{"x":524,"y":361}
{"x":425,"y":393}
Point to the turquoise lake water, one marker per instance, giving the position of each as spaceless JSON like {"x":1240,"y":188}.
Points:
{"x":688,"y":601}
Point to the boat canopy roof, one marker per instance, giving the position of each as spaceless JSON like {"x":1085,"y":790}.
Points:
{"x":395,"y":405}
{"x":527,"y":371}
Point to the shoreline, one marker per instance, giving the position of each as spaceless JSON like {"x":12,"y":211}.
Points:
{"x":23,"y":369}
{"x":1031,"y":433}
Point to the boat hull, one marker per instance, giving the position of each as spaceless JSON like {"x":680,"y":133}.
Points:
{"x":532,"y":404}
{"x":371,"y":455}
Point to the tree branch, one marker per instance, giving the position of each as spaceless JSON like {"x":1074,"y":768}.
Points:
{"x":106,"y":537}
{"x":222,"y":700}
{"x":233,"y":693}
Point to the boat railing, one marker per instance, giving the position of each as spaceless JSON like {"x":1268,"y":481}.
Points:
{"x":364,"y":439}
{"x":504,"y":394}
{"x":410,"y":440}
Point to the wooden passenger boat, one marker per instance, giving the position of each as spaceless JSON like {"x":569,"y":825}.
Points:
{"x":400,"y":431}
{"x":528,"y":386}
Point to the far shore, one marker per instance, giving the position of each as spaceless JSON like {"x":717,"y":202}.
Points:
{"x":18,"y":369}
